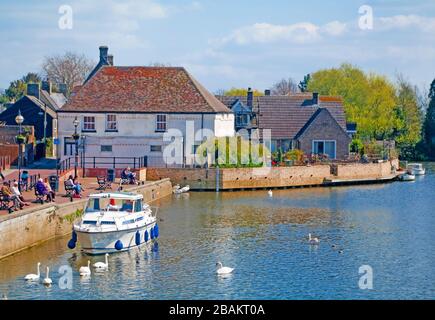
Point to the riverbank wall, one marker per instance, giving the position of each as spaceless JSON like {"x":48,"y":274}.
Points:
{"x":276,"y":177}
{"x":36,"y":225}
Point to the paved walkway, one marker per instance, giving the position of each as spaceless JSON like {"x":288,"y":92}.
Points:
{"x":89,"y":185}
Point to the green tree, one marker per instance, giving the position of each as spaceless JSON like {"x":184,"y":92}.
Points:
{"x":369,"y":99}
{"x":241,"y":92}
{"x":303,"y":85}
{"x":408,"y":131}
{"x":18,"y":88}
{"x":429,"y":123}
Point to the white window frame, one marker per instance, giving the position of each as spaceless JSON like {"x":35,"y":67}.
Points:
{"x":162,"y":122}
{"x":85,"y":123}
{"x":111,"y":122}
{"x":324,"y":142}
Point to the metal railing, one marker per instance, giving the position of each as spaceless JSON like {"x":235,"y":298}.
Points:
{"x":101,"y":162}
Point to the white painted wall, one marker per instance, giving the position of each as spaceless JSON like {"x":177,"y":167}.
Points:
{"x":137,"y":132}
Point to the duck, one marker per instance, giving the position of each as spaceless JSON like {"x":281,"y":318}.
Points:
{"x":85,"y":271}
{"x":270,"y":193}
{"x":34,"y":277}
{"x":313,"y":241}
{"x":102,"y":265}
{"x":223,"y":270}
{"x":47,"y":281}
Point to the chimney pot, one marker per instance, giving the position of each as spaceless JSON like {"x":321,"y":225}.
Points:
{"x":110,"y":60}
{"x":47,"y":86}
{"x":33,"y":90}
{"x":315,"y":98}
{"x":267,"y":92}
{"x":104,"y":50}
{"x":250,"y":98}
{"x":63,"y":89}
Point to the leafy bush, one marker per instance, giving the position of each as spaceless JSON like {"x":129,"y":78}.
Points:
{"x":232,"y":152}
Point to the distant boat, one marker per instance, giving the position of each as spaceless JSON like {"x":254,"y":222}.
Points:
{"x":407,"y":177}
{"x":416,"y":169}
{"x":179,"y":190}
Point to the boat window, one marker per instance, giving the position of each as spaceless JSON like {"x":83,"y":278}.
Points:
{"x":128,"y":222}
{"x":92,"y":223}
{"x":127,"y":206}
{"x":108,"y":222}
{"x":93,"y":205}
{"x":138,"y":206}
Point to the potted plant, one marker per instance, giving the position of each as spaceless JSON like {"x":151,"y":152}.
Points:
{"x":20,"y":139}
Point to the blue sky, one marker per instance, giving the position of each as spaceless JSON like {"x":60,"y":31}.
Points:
{"x":226,"y":43}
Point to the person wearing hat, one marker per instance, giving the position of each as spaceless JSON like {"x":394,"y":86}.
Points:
{"x":16,"y":192}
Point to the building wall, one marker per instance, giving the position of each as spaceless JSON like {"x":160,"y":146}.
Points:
{"x":324,"y":127}
{"x":137,"y":133}
{"x":30,"y":112}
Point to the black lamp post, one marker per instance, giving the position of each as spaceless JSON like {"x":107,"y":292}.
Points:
{"x":19,"y":119}
{"x":76,"y":138}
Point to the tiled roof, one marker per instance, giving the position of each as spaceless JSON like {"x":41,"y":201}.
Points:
{"x":287,"y":115}
{"x":143,"y":89}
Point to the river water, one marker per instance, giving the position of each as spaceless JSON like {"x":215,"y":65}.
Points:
{"x":389,"y":227}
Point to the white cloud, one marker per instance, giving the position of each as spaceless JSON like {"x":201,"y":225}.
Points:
{"x":421,"y":23}
{"x":304,"y":32}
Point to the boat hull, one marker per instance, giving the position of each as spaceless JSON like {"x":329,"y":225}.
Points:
{"x":415,"y":172}
{"x":98,"y":243}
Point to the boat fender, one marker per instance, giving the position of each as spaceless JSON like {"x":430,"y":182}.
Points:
{"x":74,"y":236}
{"x":71,"y":244}
{"x":118,"y":245}
{"x":152,"y":233}
{"x":156,"y":231}
{"x":146,"y":236}
{"x":137,"y":238}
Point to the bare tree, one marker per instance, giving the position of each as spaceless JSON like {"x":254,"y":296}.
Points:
{"x":70,"y":69}
{"x":285,"y":87}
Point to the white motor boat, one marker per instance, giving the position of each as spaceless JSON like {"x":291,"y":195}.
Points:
{"x":416,"y":169}
{"x":407,"y":177}
{"x":114,"y":222}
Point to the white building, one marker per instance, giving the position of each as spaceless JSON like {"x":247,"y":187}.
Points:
{"x":124,"y":112}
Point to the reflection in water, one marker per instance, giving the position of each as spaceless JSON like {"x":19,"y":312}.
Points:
{"x":389,"y":227}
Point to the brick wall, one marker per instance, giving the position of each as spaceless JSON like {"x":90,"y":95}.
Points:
{"x":247,"y":178}
{"x":324,"y":127}
{"x":376,"y":170}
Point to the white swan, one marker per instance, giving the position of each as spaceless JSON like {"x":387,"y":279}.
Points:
{"x":313,"y":241}
{"x":223,"y":270}
{"x":102,"y":265}
{"x":85,"y":271}
{"x":47,"y":281}
{"x":270,"y":193}
{"x":34,"y":277}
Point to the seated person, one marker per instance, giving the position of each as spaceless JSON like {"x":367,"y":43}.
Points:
{"x":42,"y":190}
{"x":127,"y":206}
{"x":47,"y":185}
{"x":16,"y":192}
{"x":126,"y":174}
{"x":6,"y":191}
{"x":77,"y":188}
